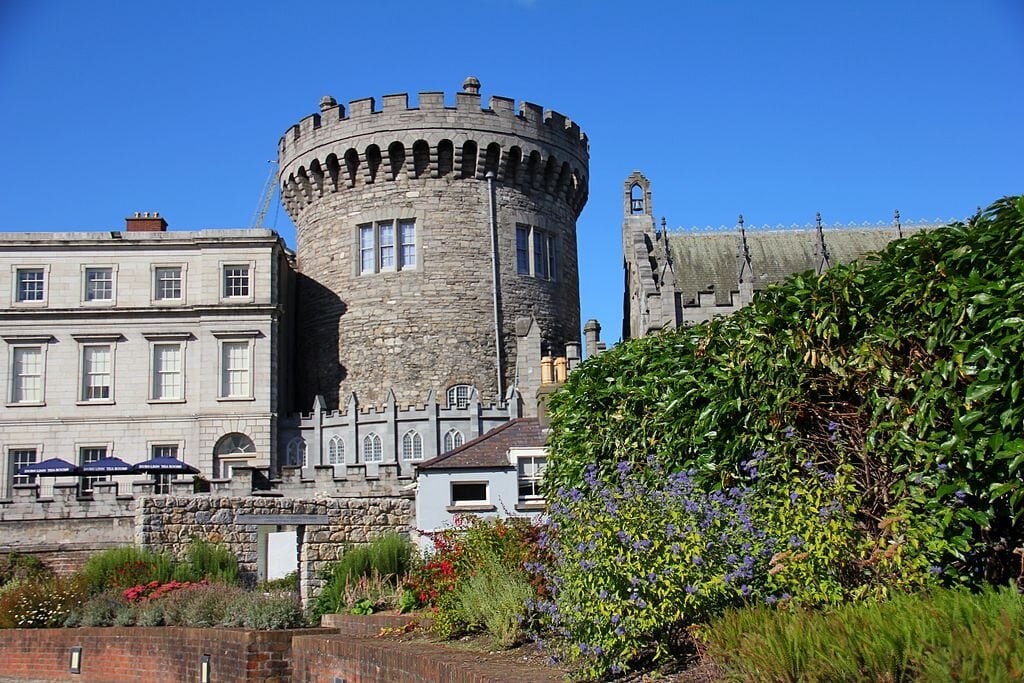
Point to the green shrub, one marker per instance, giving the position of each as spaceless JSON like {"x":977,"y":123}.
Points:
{"x":208,"y":606}
{"x":125,"y":567}
{"x":19,"y":566}
{"x":276,"y":610}
{"x":390,"y":555}
{"x":906,"y":369}
{"x":149,"y":614}
{"x":362,"y":573}
{"x":42,"y":603}
{"x":495,"y":598}
{"x":288,"y":582}
{"x":109,"y":608}
{"x":207,"y":560}
{"x":945,"y":635}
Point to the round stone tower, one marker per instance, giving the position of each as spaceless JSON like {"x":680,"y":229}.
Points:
{"x":424,"y":234}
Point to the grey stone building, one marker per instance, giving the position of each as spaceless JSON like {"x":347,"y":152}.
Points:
{"x":425,"y":235}
{"x":675,"y":278}
{"x":143,"y":342}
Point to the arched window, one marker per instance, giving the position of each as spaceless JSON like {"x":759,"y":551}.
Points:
{"x":296,"y":456}
{"x":452,"y":440}
{"x":336,"y":451}
{"x":372,"y":448}
{"x":458,"y":396}
{"x":412,"y":446}
{"x":232,"y":450}
{"x":492,"y":158}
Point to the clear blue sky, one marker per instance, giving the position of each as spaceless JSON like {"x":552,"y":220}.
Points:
{"x":772,"y":109}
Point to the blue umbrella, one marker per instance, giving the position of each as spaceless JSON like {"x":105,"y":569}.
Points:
{"x":105,"y":466}
{"x":54,"y":467}
{"x":165,"y":465}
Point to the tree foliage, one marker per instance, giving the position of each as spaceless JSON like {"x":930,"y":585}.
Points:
{"x":906,"y":368}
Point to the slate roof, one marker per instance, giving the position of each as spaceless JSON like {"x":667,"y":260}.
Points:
{"x":705,"y":262}
{"x":490,"y":450}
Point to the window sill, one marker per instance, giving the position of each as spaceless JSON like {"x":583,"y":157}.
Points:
{"x":533,"y":506}
{"x":28,"y":304}
{"x":26,"y":404}
{"x":99,"y":303}
{"x":104,"y":402}
{"x":474,"y":507}
{"x":161,"y":401}
{"x":229,"y":399}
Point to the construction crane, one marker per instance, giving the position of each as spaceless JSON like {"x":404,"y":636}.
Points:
{"x":269,"y":187}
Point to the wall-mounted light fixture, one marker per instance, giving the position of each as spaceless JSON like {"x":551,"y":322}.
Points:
{"x":75,"y":662}
{"x":204,"y":669}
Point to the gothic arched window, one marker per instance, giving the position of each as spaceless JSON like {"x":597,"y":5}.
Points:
{"x":373,"y":451}
{"x":412,"y":446}
{"x":452,"y":440}
{"x":336,"y":451}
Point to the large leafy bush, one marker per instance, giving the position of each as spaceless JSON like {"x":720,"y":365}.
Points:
{"x":906,"y":370}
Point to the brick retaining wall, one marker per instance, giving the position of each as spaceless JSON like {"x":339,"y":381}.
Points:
{"x":137,"y":655}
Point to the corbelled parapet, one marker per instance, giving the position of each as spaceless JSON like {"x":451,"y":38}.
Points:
{"x":423,"y":233}
{"x":368,"y":142}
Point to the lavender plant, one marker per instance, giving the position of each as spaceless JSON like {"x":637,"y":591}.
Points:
{"x":639,"y":558}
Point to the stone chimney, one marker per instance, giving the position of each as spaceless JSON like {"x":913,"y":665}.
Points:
{"x":592,"y":334}
{"x":145,"y":222}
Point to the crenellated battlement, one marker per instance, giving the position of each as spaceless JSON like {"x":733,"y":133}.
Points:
{"x":536,"y":150}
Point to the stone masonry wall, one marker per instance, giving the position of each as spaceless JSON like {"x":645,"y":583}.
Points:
{"x":323,"y":526}
{"x":431,"y":325}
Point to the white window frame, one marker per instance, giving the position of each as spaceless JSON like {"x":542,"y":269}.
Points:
{"x":250,"y":267}
{"x":520,"y":455}
{"x":486,"y":501}
{"x":96,"y":341}
{"x":388,"y":255}
{"x":541,"y":252}
{"x":15,"y":342}
{"x":373,"y":448}
{"x":162,"y":481}
{"x":85,"y":484}
{"x":458,"y":396}
{"x":223,"y":463}
{"x":87,"y":269}
{"x":16,"y":271}
{"x":12,"y":470}
{"x":234,"y":337}
{"x":412,"y":446}
{"x":167,"y":339}
{"x":155,"y":296}
{"x":450,"y":437}
{"x":336,"y":450}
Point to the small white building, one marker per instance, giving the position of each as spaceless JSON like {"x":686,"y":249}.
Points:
{"x":495,"y":474}
{"x":143,"y":343}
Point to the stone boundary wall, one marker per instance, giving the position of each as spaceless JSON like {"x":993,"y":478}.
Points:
{"x":144,"y":655}
{"x":323,"y":527}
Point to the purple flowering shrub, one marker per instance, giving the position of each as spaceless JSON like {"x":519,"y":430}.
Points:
{"x":641,"y":557}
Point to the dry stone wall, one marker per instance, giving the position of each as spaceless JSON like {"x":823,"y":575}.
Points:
{"x":323,"y":526}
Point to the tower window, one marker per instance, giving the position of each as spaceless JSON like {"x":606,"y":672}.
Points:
{"x":377,"y":246}
{"x":535,"y":252}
